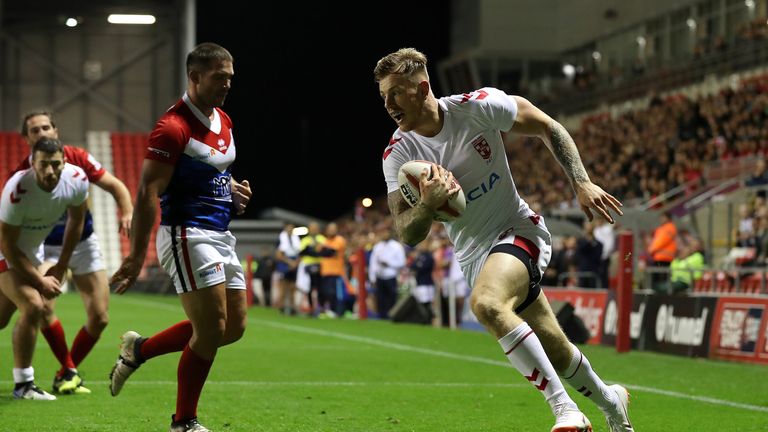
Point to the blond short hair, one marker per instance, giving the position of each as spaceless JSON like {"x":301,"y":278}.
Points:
{"x":405,"y":61}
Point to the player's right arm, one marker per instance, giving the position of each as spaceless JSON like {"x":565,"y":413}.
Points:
{"x":413,"y":223}
{"x":9,"y":237}
{"x":166,"y":143}
{"x":155,"y":177}
{"x":115,"y":187}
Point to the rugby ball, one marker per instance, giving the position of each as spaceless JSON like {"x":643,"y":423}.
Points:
{"x":408,"y":179}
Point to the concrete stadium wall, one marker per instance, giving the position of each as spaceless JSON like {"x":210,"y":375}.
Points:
{"x":546,"y":26}
{"x":100,"y":78}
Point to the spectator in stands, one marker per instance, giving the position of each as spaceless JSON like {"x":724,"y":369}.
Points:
{"x":387,"y":259}
{"x":32,"y":203}
{"x":503,"y":246}
{"x":333,"y":271}
{"x":685,"y":269}
{"x":455,"y":280}
{"x":745,"y":231}
{"x":422,"y":263}
{"x":759,"y":177}
{"x":87,"y":263}
{"x":761,"y":236}
{"x":663,"y":247}
{"x":562,"y":267}
{"x":310,"y":264}
{"x":264,"y":269}
{"x":286,"y":264}
{"x":588,"y":256}
{"x":198,"y":197}
{"x":605,"y":234}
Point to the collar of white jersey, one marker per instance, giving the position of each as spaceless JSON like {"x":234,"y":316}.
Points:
{"x":214,"y":125}
{"x":444,"y":133}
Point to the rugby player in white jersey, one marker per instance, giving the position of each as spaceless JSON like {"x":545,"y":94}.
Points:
{"x":32,"y":203}
{"x":188,"y":165}
{"x":502,"y":246}
{"x":87,"y":263}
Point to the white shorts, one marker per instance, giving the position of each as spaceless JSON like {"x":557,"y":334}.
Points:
{"x":86,"y":257}
{"x":530,"y":236}
{"x":423,"y":293}
{"x":198,"y":258}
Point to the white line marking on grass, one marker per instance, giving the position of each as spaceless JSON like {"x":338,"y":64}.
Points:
{"x":697,"y":398}
{"x":409,"y":348}
{"x":385,"y":344}
{"x":360,"y":339}
{"x":319,"y":384}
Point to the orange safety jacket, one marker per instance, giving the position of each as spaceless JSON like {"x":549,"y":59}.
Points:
{"x":663,"y":247}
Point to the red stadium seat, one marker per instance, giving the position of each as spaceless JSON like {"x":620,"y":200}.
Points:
{"x":13,"y":149}
{"x":128,"y":156}
{"x":751,"y":284}
{"x":703,"y":284}
{"x":723,"y":282}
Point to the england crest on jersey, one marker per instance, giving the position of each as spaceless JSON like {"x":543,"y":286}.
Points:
{"x":482,"y":147}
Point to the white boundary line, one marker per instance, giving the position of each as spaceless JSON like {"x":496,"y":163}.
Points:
{"x":318,"y":384}
{"x":473,"y":359}
{"x":706,"y":399}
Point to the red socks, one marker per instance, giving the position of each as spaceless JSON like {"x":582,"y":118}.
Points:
{"x":192,"y":373}
{"x":82,"y":345}
{"x":172,"y":339}
{"x":58,"y":343}
{"x":193,"y":369}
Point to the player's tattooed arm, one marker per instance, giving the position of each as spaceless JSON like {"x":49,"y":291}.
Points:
{"x":565,"y":151}
{"x":412,"y":223}
{"x":531,"y":121}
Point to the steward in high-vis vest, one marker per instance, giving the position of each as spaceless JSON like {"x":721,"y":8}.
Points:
{"x":663,"y":247}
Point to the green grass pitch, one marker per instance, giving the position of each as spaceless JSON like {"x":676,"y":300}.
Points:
{"x":298,"y":374}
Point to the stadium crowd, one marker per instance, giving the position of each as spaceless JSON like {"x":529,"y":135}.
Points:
{"x":642,"y":154}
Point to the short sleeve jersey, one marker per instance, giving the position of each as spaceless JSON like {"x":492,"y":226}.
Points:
{"x":202,"y":150}
{"x":25,"y":204}
{"x":289,"y":244}
{"x":471,"y":147}
{"x":93,"y":170}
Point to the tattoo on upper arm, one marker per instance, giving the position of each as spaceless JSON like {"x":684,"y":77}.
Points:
{"x":396,"y":203}
{"x":566,"y":153}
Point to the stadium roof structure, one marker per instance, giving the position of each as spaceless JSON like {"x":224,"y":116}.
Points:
{"x":44,"y":13}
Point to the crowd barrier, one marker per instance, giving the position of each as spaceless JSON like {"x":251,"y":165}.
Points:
{"x":728,"y":327}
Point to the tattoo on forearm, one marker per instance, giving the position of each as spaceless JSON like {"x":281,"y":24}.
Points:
{"x":412,"y":223}
{"x":566,"y":153}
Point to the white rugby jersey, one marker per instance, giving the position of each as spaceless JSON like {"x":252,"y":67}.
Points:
{"x":24,"y":204}
{"x":470,"y":146}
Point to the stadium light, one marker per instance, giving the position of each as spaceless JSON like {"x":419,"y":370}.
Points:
{"x":71,"y":22}
{"x":569,"y":70}
{"x":130,"y":19}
